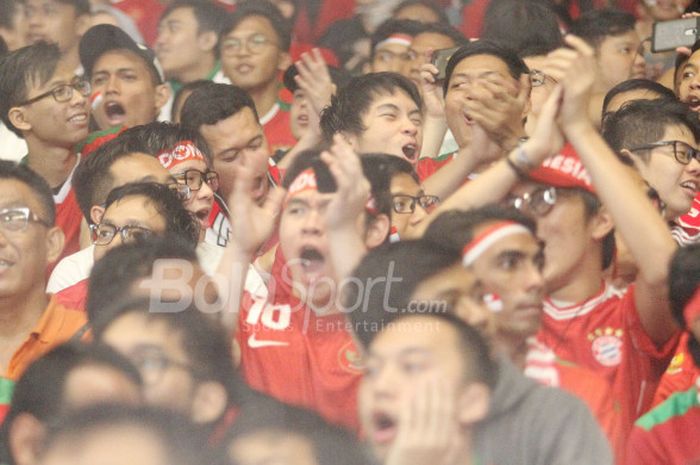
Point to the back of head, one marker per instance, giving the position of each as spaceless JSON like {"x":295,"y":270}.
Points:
{"x":11,"y":171}
{"x":385,"y":279}
{"x":642,"y":85}
{"x":350,"y":103}
{"x":455,"y":228}
{"x":92,"y":179}
{"x":214,"y":102}
{"x":113,"y":277}
{"x":516,"y":66}
{"x":642,"y":122}
{"x":27,"y":66}
{"x":595,"y":25}
{"x":528,"y":27}
{"x":172,"y":439}
{"x":267,"y":10}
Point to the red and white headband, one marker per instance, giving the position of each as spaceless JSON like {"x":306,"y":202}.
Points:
{"x":182,"y":151}
{"x":481,"y":243}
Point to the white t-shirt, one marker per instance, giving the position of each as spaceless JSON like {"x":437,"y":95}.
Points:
{"x":12,"y":148}
{"x":71,"y":270}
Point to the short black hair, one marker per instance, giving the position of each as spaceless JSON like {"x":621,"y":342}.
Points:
{"x":516,"y":66}
{"x":40,"y":391}
{"x":430,"y":4}
{"x":476,"y":354}
{"x":33,"y":65}
{"x":12,"y":171}
{"x":92,"y":179}
{"x":455,"y":228}
{"x":391,"y":27}
{"x":178,"y":221}
{"x":331,"y":444}
{"x":267,"y":10}
{"x":642,"y":122}
{"x":213,"y":103}
{"x":210,"y":16}
{"x":595,"y":26}
{"x":350,"y":103}
{"x":187,"y":87}
{"x":629,"y":85}
{"x":3,"y":48}
{"x":113,"y":276}
{"x":181,"y":441}
{"x":528,"y":27}
{"x":373,"y":300}
{"x":683,"y":279}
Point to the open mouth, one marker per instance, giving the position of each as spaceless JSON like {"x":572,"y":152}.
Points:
{"x":5,"y":264}
{"x":384,"y":428}
{"x":410,"y":151}
{"x":114,"y":111}
{"x":312,"y":260}
{"x":694,"y":103}
{"x":691,"y":187}
{"x":203,"y":216}
{"x":468,"y":119}
{"x":244,"y":68}
{"x":78,"y":118}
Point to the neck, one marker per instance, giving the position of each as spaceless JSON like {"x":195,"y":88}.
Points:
{"x":200,"y":70}
{"x":19,"y":314}
{"x":54,"y":164}
{"x":514,"y":347}
{"x":581,"y":283}
{"x":71,"y":58}
{"x":264,"y":97}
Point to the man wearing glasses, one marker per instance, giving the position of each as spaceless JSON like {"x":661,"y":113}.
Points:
{"x":254,"y":52}
{"x":42,"y":101}
{"x":29,"y":241}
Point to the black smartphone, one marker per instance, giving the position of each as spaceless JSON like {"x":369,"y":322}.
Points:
{"x":669,"y":35}
{"x":440,"y":59}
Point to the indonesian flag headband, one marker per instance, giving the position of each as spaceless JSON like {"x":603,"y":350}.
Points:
{"x":484,"y":241}
{"x":691,"y":311}
{"x":306,"y":181}
{"x":182,"y":151}
{"x":396,"y":39}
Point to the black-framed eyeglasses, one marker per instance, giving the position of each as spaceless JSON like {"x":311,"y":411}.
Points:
{"x":193,"y":179}
{"x":403,"y":203}
{"x":538,"y":202}
{"x":104,"y":233}
{"x":18,"y":218}
{"x":255,"y":43}
{"x":63,"y":93}
{"x":183,"y":191}
{"x":152,"y":364}
{"x":538,"y":78}
{"x":682,"y":152}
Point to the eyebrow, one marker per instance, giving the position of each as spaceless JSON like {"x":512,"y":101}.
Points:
{"x":238,"y":149}
{"x":387,"y":106}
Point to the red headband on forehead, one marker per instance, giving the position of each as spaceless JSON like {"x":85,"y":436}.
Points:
{"x":563,"y":170}
{"x":306,"y":181}
{"x":182,"y":151}
{"x":481,"y":243}
{"x":691,"y":312}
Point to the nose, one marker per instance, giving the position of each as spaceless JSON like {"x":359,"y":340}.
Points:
{"x":533,"y":281}
{"x":409,"y":127}
{"x":383,"y":383}
{"x":693,"y":168}
{"x":112,"y":85}
{"x":205,"y":192}
{"x":312,"y":222}
{"x":418,"y":215}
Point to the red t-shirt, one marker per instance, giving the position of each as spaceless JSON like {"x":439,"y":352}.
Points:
{"x":296,"y":356}
{"x":605,"y":334}
{"x":74,"y":296}
{"x":426,"y":167}
{"x":277,"y":127}
{"x":686,"y":231}
{"x":329,"y":12}
{"x":680,"y":374}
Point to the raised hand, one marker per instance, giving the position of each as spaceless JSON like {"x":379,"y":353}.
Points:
{"x":314,"y":79}
{"x":432,"y":92}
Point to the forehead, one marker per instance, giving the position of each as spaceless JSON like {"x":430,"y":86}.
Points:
{"x":236,"y":130}
{"x":310,"y":196}
{"x":397,"y":97}
{"x":536,"y":62}
{"x":679,"y":132}
{"x":629,"y":37}
{"x":426,"y":334}
{"x":137,"y":166}
{"x":404,"y":182}
{"x":432,"y":40}
{"x":14,"y":193}
{"x":521,"y":242}
{"x":251,"y":25}
{"x":391,"y":47}
{"x":120,"y":59}
{"x":133,"y":207}
{"x":188,"y":165}
{"x":453,"y":278}
{"x":181,"y":13}
{"x":62,"y":73}
{"x":476,"y":64}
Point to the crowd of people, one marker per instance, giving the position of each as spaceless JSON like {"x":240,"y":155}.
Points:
{"x":348,"y":232}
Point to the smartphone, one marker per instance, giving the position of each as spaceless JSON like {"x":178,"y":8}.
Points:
{"x":440,"y":59}
{"x":669,"y":35}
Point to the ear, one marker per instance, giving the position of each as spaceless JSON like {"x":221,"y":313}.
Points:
{"x":96,"y":213}
{"x":55,"y":240}
{"x":351,"y":139}
{"x":473,"y":404}
{"x":207,"y":41}
{"x":18,"y":118}
{"x":162,"y":96}
{"x":601,"y":224}
{"x":209,"y":402}
{"x":25,"y":437}
{"x":284,"y":61}
{"x":377,"y":231}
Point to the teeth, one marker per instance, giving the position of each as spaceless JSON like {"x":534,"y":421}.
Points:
{"x":4,"y":263}
{"x":690,"y":185}
{"x":78,"y":118}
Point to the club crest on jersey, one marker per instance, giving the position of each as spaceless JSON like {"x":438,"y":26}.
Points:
{"x":606,"y":345}
{"x":349,"y":358}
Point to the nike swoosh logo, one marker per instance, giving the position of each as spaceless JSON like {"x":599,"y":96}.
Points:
{"x":254,"y":343}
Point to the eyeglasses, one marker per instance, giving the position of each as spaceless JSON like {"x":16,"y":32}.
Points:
{"x":682,"y":152}
{"x":253,"y":44}
{"x":538,"y":78}
{"x":539,"y":202}
{"x":152,"y":363}
{"x":183,"y":191}
{"x":104,"y":234}
{"x":402,"y":203}
{"x":63,"y":93}
{"x":17,"y":219}
{"x":194,"y":179}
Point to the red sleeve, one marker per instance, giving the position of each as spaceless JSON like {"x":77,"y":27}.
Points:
{"x":640,"y":340}
{"x":643,"y":449}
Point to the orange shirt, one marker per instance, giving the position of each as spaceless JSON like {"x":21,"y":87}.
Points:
{"x":56,"y":325}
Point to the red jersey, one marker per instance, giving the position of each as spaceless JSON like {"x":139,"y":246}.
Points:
{"x":277,"y":127}
{"x":686,"y":229}
{"x":680,"y":375}
{"x":74,"y":296}
{"x":296,"y":356}
{"x":68,"y":218}
{"x":669,"y":433}
{"x":309,"y":30}
{"x":605,"y":334}
{"x":145,"y":13}
{"x":426,"y":166}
